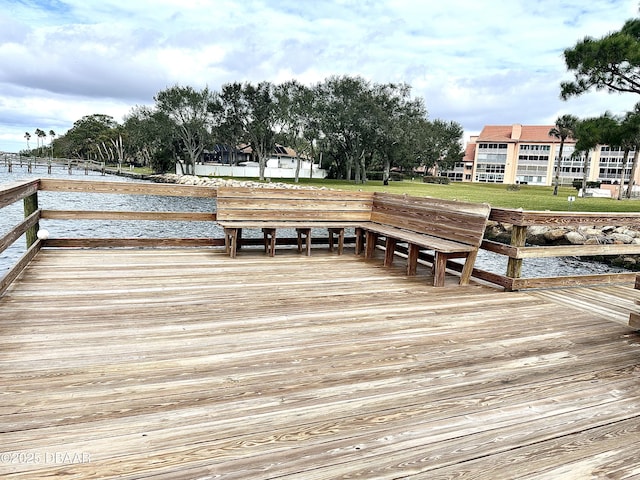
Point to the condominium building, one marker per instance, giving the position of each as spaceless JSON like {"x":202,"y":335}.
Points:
{"x":463,"y":171}
{"x":528,"y":154}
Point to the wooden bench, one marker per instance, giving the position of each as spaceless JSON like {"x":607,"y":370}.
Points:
{"x":449,"y":228}
{"x":271,"y":209}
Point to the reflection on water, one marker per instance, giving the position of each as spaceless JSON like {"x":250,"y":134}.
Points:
{"x":12,"y":215}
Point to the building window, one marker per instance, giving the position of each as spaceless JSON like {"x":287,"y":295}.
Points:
{"x":490,"y":172}
{"x":535,"y":148}
{"x":492,"y":146}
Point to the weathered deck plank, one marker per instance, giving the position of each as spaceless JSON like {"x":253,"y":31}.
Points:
{"x":187,"y":364}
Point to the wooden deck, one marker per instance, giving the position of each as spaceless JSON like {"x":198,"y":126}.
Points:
{"x":185,"y":364}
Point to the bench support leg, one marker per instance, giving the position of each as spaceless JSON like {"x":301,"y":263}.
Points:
{"x":467,"y":270}
{"x":269,"y":235}
{"x":306,"y":233}
{"x":412,"y":259}
{"x":340,"y":233}
{"x":231,"y":236}
{"x":390,"y":250}
{"x":440,"y":266}
{"x":439,"y":269}
{"x":360,"y":234}
{"x":370,"y":244}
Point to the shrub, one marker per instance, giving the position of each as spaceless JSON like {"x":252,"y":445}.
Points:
{"x":434,"y":179}
{"x":577,"y":184}
{"x":379,"y":175}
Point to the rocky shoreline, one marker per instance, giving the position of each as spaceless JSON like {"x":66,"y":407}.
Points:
{"x":222,"y":182}
{"x":584,"y":235}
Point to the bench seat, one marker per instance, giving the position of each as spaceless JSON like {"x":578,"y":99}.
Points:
{"x":428,"y":242}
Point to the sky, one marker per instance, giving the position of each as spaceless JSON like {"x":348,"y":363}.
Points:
{"x":475,"y":62}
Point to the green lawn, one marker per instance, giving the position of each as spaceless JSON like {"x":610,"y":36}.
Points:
{"x":527,"y":197}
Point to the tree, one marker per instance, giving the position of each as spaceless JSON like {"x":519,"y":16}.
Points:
{"x":151,"y":138}
{"x":84,"y":139}
{"x":27,"y":137}
{"x":250,"y":111}
{"x":586,"y":133}
{"x":344,"y":103}
{"x":565,"y":126}
{"x":298,"y":126}
{"x":611,"y":63}
{"x":189,"y":111}
{"x":41,"y":134}
{"x":633,"y":119}
{"x":399,"y":119}
{"x":395,"y":117}
{"x":260,"y":121}
{"x":623,"y":132}
{"x":36,"y":133}
{"x":443,"y":145}
{"x":613,"y":131}
{"x":228,"y":116}
{"x":52,"y":134}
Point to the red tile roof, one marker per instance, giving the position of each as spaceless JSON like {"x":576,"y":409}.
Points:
{"x":509,"y":134}
{"x":469,"y":153}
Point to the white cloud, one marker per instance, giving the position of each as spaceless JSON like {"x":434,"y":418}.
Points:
{"x":474,"y":62}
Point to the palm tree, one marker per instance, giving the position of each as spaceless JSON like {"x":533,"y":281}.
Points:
{"x":565,"y":126}
{"x":632,"y":120}
{"x":27,"y":136}
{"x":41,"y":136}
{"x":591,"y":132}
{"x":52,"y":134}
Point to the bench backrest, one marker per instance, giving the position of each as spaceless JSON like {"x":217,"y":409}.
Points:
{"x":267,"y":204}
{"x":459,"y":221}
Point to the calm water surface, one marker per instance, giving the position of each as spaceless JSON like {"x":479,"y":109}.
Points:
{"x":13,"y":214}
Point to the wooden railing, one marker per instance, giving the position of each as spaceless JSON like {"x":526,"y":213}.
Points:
{"x":32,"y":163}
{"x":10,"y":194}
{"x":516,"y":251}
{"x":28,"y":192}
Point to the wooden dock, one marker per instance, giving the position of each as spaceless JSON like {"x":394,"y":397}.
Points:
{"x":185,"y":364}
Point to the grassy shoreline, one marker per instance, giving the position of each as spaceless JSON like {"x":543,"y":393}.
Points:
{"x":527,"y":197}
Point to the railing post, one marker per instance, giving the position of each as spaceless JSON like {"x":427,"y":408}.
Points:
{"x":518,"y":239}
{"x":30,"y":206}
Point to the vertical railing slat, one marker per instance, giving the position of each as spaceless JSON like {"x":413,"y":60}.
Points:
{"x":31,"y":206}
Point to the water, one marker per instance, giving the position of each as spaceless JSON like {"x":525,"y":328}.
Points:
{"x":12,"y":215}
